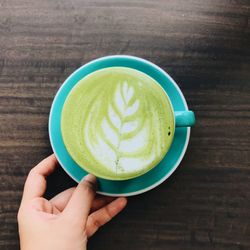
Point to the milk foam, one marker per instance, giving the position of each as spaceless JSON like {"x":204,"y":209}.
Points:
{"x":114,"y":155}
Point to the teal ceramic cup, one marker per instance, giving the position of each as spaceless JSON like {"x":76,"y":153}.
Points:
{"x":183,"y":118}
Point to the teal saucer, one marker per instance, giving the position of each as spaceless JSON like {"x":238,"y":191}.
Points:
{"x":155,"y":176}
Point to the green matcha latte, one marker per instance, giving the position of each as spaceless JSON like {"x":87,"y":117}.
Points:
{"x":117,"y":123}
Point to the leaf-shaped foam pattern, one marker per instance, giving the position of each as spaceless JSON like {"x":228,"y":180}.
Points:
{"x":115,"y":123}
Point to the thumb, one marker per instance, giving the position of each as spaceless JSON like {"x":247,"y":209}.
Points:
{"x":81,"y":200}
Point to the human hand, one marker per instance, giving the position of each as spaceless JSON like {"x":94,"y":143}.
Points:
{"x":67,"y":220}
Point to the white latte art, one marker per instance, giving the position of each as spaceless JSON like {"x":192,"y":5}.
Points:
{"x":116,"y":123}
{"x":112,"y":148}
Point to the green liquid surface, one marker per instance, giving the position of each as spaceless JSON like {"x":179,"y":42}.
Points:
{"x":117,"y":123}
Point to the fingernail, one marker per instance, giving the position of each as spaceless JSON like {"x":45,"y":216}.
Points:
{"x":90,"y":179}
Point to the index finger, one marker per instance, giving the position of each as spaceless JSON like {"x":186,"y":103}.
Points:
{"x":35,"y":184}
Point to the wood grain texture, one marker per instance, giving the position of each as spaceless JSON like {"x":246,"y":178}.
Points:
{"x":203,"y":45}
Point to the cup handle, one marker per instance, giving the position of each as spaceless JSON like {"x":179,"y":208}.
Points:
{"x":184,"y":118}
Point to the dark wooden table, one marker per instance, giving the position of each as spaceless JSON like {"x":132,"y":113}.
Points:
{"x":203,"y":45}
